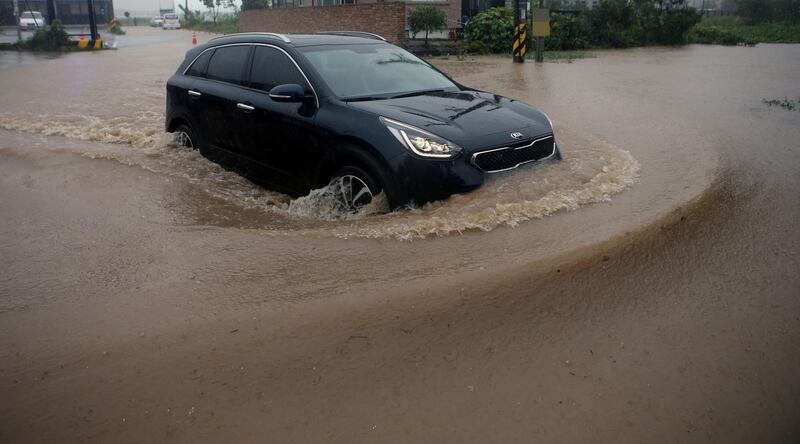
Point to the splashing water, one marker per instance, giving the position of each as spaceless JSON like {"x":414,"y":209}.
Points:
{"x":592,"y":171}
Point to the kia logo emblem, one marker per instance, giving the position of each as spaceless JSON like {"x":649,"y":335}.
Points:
{"x":516,"y":135}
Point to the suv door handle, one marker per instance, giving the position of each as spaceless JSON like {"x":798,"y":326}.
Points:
{"x":195,"y":93}
{"x":245,"y":107}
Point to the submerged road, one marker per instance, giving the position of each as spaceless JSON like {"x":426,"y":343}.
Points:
{"x":645,"y":289}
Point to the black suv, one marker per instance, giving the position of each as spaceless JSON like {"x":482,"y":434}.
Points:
{"x":299,"y":112}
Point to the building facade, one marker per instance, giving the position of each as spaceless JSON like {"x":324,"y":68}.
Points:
{"x":70,"y":12}
{"x":387,"y":18}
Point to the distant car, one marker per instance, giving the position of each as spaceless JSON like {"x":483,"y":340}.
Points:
{"x":31,"y":21}
{"x":156,"y":21}
{"x":171,"y":21}
{"x":297,"y":112}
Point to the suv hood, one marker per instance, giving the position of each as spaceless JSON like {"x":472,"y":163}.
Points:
{"x":471,"y":119}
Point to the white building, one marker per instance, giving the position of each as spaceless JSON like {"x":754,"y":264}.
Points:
{"x":143,"y":8}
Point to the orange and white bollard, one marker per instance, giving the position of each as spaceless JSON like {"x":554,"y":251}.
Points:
{"x":194,"y":38}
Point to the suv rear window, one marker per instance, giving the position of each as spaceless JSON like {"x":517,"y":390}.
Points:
{"x":227,"y":64}
{"x":271,"y":68}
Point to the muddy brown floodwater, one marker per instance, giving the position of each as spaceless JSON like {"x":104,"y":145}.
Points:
{"x":645,"y":289}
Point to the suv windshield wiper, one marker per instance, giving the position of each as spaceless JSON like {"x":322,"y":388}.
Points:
{"x":417,"y":93}
{"x":363,"y":98}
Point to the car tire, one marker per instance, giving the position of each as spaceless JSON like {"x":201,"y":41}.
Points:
{"x":184,"y":137}
{"x":356,"y":187}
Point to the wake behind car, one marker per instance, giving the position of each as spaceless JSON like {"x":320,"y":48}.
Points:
{"x":298,"y":112}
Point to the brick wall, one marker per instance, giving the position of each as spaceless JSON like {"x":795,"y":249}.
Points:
{"x":385,"y":19}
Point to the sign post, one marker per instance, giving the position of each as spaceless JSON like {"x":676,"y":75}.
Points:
{"x":519,"y":47}
{"x":16,"y":17}
{"x":541,"y":29}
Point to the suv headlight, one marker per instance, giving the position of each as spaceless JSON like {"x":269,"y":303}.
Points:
{"x":549,"y":120}
{"x":420,"y":142}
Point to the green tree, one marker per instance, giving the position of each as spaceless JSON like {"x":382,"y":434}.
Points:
{"x":215,"y":5}
{"x":191,"y":18}
{"x":567,"y":32}
{"x":255,"y":4}
{"x":663,"y":22}
{"x":755,"y":11}
{"x":428,"y":19}
{"x":761,"y":11}
{"x":491,"y":31}
{"x":613,"y":24}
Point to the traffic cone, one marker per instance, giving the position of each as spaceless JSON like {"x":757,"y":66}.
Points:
{"x":194,"y":38}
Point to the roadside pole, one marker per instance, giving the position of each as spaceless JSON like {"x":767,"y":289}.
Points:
{"x":541,"y":29}
{"x":92,"y":22}
{"x":16,"y":17}
{"x":51,"y":11}
{"x":519,"y":47}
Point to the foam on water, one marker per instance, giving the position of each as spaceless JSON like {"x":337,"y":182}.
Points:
{"x":592,"y":171}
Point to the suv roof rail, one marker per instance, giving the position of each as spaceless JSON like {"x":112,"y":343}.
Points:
{"x":368,"y":35}
{"x":267,"y":34}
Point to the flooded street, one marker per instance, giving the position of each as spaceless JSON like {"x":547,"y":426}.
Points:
{"x":644,"y":289}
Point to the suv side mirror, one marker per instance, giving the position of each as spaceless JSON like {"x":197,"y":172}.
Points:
{"x":290,"y":92}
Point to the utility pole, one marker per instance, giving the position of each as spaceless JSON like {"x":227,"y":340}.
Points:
{"x":540,"y":41}
{"x":92,"y":22}
{"x":16,"y":17}
{"x":51,"y":11}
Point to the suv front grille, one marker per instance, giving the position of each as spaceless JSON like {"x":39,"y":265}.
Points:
{"x":510,"y":157}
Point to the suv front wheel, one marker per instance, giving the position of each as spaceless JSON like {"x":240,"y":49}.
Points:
{"x":355,"y":186}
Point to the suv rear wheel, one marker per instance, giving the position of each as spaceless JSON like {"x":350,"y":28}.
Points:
{"x":356,"y":187}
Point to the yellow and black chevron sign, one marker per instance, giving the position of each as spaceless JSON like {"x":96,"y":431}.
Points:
{"x":520,"y":37}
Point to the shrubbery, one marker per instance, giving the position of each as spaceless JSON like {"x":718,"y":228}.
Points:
{"x":611,"y":24}
{"x":568,"y":32}
{"x":491,"y":31}
{"x":715,"y":35}
{"x":744,"y":32}
{"x":762,"y":11}
{"x":53,"y":38}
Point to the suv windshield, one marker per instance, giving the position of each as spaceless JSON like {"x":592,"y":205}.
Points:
{"x":373,"y":71}
{"x":29,"y":15}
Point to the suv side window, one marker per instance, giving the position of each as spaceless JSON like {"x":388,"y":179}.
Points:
{"x":227,"y":63}
{"x":271,"y":68}
{"x":198,"y":68}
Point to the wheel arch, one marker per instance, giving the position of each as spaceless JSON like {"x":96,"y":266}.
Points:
{"x":356,"y":152}
{"x":175,"y":121}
